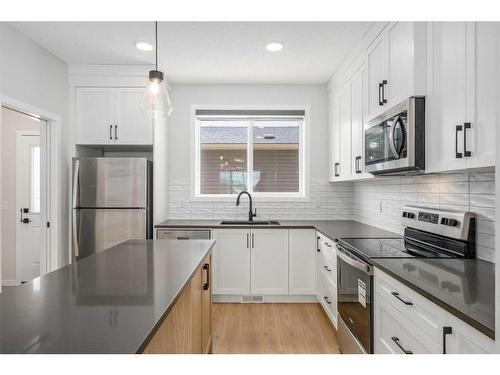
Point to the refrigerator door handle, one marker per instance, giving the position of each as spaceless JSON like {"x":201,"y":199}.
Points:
{"x":74,"y":231}
{"x":76,"y":173}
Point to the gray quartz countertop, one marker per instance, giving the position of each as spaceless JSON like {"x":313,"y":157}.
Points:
{"x":110,"y":302}
{"x":464,"y":287}
{"x":333,"y":229}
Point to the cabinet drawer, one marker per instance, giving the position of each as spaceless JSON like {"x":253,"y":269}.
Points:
{"x":395,"y":334}
{"x":422,"y":312}
{"x":328,"y":266}
{"x":328,"y":297}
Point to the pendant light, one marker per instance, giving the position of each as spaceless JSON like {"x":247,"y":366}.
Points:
{"x":156,"y":100}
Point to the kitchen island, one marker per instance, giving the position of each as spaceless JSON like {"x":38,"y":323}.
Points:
{"x":121,"y":300}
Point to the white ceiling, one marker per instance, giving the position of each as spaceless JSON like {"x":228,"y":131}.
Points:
{"x":207,"y":52}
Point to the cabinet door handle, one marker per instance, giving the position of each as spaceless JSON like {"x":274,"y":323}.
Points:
{"x":384,"y":99}
{"x":380,"y":88}
{"x":358,"y":164}
{"x":253,"y":241}
{"x":111,"y":132}
{"x":248,"y":240}
{"x":327,"y":300}
{"x":116,"y":131}
{"x":396,"y":340}
{"x":328,"y":269}
{"x":446,"y":331}
{"x":318,"y":249}
{"x":206,"y":267}
{"x":396,"y":294}
{"x":467,"y":125}
{"x":458,"y":155}
{"x":336,"y":169}
{"x":327,"y":244}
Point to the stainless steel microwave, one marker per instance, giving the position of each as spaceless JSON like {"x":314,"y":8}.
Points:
{"x":395,"y":140}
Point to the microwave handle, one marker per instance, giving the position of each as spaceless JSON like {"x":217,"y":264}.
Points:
{"x":392,"y":131}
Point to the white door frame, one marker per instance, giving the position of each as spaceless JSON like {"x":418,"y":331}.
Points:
{"x":53,"y":187}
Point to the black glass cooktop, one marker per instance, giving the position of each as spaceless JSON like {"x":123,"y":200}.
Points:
{"x":390,"y":248}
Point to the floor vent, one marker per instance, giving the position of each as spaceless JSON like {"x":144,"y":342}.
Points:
{"x":252,"y":299}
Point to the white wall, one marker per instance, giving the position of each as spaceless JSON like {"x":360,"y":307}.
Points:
{"x":31,"y":74}
{"x":326,"y":200}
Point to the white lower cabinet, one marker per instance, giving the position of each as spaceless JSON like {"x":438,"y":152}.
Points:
{"x":231,"y":258}
{"x":302,"y":261}
{"x":266,"y":262}
{"x":326,"y":263}
{"x":405,"y":321}
{"x":269,"y":261}
{"x":396,"y":334}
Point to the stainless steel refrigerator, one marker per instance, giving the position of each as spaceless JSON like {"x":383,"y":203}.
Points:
{"x":112,"y":203}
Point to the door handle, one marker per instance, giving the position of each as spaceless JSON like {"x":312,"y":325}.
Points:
{"x":467,"y":125}
{"x":336,"y":168}
{"x":206,"y":267}
{"x":384,"y":99}
{"x":317,"y":244}
{"x":446,"y":331}
{"x":380,"y":88}
{"x":253,"y":241}
{"x":327,"y":300}
{"x":111,"y":132}
{"x":25,"y":220}
{"x":396,"y":294}
{"x":247,"y":241}
{"x":116,"y":132}
{"x":458,"y":155}
{"x":328,"y":269}
{"x":396,"y":340}
{"x":358,"y":164}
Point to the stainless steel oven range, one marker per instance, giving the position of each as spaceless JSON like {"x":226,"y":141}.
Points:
{"x":428,"y":233}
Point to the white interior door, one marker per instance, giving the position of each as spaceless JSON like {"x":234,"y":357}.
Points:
{"x":30,"y":206}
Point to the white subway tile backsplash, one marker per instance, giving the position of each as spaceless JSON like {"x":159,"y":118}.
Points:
{"x":377,"y":202}
{"x":473,"y":191}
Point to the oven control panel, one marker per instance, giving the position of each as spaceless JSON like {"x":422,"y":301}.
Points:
{"x":449,"y":223}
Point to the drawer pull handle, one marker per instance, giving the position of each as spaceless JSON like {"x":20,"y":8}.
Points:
{"x":408,"y":303}
{"x":396,"y":340}
{"x":328,"y":269}
{"x":327,"y":300}
{"x":446,"y":331}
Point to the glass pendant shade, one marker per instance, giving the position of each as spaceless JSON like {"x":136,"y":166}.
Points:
{"x":156,"y":100}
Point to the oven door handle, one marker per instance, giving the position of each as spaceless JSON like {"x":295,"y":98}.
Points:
{"x":366,"y":268}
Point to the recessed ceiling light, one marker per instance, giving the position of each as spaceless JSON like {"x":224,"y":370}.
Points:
{"x":274,"y":46}
{"x":144,"y":46}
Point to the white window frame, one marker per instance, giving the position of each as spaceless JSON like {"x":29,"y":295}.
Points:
{"x":303,"y":195}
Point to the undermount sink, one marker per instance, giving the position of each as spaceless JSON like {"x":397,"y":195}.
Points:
{"x":246,"y":222}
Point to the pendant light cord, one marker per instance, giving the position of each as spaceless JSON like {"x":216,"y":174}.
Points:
{"x":156,"y":43}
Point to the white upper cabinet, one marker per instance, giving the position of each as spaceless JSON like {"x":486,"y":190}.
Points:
{"x":105,"y":116}
{"x":269,"y":264}
{"x":334,"y":140}
{"x":94,"y":113}
{"x":460,"y":131}
{"x":396,"y":66}
{"x":481,"y":135}
{"x":133,"y":125}
{"x":376,"y":71}
{"x":345,"y":132}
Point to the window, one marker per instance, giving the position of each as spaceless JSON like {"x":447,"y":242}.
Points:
{"x":254,"y":150}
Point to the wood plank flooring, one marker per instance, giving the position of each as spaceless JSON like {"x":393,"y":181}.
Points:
{"x":271,"y":329}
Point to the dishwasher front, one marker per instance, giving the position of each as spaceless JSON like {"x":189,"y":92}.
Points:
{"x":182,"y":234}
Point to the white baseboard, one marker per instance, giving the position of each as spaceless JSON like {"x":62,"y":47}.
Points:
{"x":237,"y":298}
{"x":10,"y":282}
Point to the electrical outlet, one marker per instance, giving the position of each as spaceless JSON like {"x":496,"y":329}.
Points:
{"x":317,"y":203}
